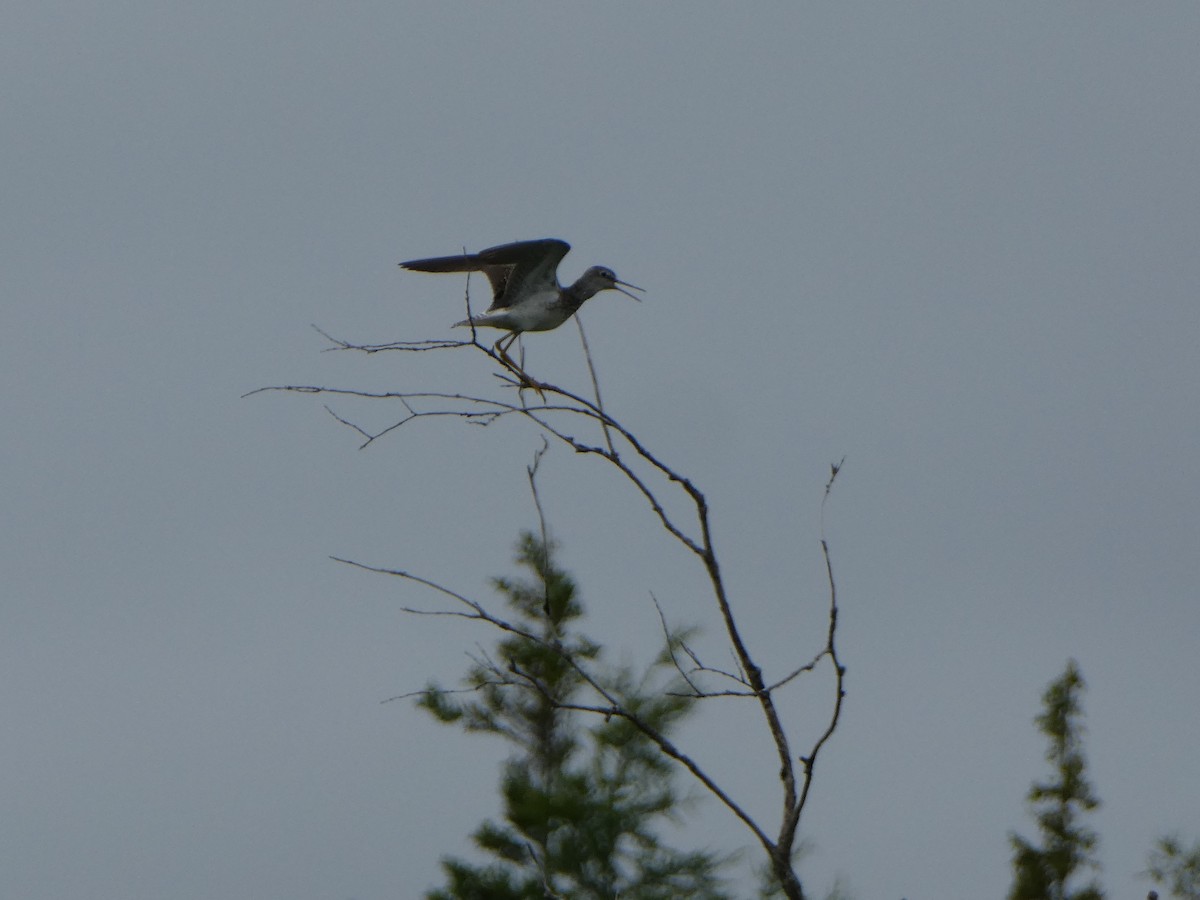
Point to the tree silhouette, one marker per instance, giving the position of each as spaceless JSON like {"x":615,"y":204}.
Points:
{"x":1043,"y":872}
{"x":580,"y":803}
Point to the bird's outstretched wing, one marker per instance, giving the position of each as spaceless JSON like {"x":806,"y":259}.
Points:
{"x":514,"y":270}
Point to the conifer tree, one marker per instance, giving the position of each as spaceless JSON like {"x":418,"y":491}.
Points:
{"x":1176,"y":867}
{"x":581,"y":798}
{"x":1043,"y":872}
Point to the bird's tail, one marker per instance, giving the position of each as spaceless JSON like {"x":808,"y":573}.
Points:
{"x":461,"y":263}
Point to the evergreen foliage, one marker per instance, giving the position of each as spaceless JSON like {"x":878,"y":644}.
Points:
{"x":1176,"y":868}
{"x":582,"y":793}
{"x":1042,"y":872}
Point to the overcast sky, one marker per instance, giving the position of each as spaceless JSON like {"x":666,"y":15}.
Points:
{"x":954,"y":242}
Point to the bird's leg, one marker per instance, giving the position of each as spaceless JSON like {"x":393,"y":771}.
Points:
{"x":529,"y":380}
{"x":501,"y":352}
{"x":509,"y":363}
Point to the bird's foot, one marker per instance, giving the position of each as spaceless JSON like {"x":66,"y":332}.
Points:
{"x":522,"y":378}
{"x":525,"y":381}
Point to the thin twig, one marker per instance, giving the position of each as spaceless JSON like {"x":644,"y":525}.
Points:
{"x":587,"y":355}
{"x":541,"y":867}
{"x":839,"y":675}
{"x":531,"y":471}
{"x":670,"y":643}
{"x":339,"y":344}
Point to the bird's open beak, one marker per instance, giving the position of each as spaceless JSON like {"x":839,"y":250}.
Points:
{"x":626,"y":293}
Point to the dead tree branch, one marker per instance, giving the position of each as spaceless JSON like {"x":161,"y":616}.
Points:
{"x":559,"y":416}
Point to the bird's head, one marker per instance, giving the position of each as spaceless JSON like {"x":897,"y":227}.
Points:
{"x":599,"y":278}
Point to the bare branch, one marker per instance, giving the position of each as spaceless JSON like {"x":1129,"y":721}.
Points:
{"x":612,"y":707}
{"x":834,"y":469}
{"x":531,"y":471}
{"x":839,"y":675}
{"x":368,"y":436}
{"x":587,"y":354}
{"x":430,"y":692}
{"x":541,"y":867}
{"x":670,"y":644}
{"x":478,"y":609}
{"x":339,"y":344}
{"x":556,"y":416}
{"x":712,"y":670}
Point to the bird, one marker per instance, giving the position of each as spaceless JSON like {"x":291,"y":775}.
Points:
{"x":526,"y":295}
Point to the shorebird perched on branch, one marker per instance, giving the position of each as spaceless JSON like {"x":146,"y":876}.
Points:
{"x":526,"y":292}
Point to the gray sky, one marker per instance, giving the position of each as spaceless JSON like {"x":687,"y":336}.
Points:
{"x":955,"y":243}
